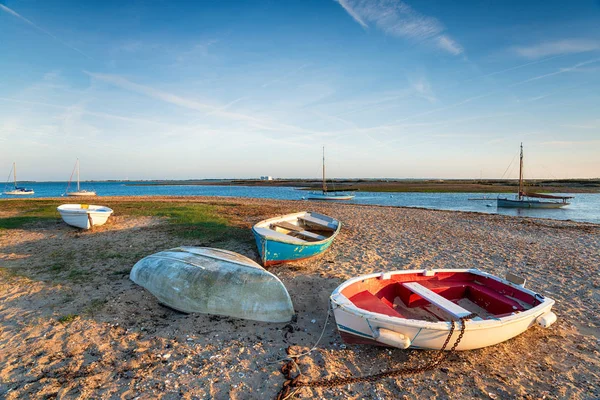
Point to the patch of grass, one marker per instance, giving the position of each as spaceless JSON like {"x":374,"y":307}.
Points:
{"x":65,"y":319}
{"x":77,"y":274}
{"x":28,"y":212}
{"x":59,"y":267}
{"x":124,"y":271}
{"x":108,"y":255}
{"x":94,"y":306}
{"x":190,"y":221}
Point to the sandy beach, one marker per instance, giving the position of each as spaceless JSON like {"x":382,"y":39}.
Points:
{"x":72,"y":324}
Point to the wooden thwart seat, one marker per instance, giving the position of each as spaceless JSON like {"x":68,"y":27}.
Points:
{"x":325,"y":225}
{"x":451,"y":308}
{"x":297,"y":230}
{"x":287,"y":225}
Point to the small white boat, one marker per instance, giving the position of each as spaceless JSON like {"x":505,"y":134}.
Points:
{"x":329,"y":195}
{"x":79,"y":192}
{"x":414,"y":309}
{"x":17,"y":191}
{"x":214,"y":281}
{"x":84,"y":216}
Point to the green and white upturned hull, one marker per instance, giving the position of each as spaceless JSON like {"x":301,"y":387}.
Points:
{"x":214,"y":281}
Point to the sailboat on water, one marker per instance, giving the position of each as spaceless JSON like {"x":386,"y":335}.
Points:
{"x":529,"y":200}
{"x":79,"y":191}
{"x":329,"y":194}
{"x":17,"y":190}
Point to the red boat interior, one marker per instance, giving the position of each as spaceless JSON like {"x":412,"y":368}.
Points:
{"x":443,"y":296}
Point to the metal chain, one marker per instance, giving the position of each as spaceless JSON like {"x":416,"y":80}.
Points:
{"x":293,"y":383}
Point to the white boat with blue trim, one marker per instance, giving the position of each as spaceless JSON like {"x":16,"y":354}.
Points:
{"x":17,"y":190}
{"x":415,"y":308}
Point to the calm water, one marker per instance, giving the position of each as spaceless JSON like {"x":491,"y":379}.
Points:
{"x":584,"y":207}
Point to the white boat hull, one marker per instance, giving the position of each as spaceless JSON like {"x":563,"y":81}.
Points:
{"x":84,"y":218}
{"x":213,"y":281}
{"x":321,"y":196}
{"x":81,"y":194}
{"x":19,"y":193}
{"x":362,"y":326}
{"x":508,"y":203}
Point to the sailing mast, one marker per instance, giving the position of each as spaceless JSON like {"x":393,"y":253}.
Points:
{"x":324,"y":183}
{"x":15,"y":173}
{"x":78,"y":174}
{"x":521,"y":188}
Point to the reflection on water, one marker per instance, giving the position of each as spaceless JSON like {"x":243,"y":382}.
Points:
{"x":584,"y":207}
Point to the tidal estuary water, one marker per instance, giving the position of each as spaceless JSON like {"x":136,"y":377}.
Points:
{"x":585,"y":207}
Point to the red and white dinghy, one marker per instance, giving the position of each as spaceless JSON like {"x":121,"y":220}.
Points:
{"x":415,"y":308}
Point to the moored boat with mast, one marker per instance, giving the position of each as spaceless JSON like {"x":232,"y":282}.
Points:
{"x":528,"y":199}
{"x":17,"y":190}
{"x":330,"y":194}
{"x":79,"y":191}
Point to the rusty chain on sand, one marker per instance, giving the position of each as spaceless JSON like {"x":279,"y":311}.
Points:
{"x":292,"y":384}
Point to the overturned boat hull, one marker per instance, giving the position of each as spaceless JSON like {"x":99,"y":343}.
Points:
{"x":213,"y":281}
{"x":414,"y":309}
{"x":294,"y":237}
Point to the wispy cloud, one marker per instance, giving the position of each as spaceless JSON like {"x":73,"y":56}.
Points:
{"x":353,"y":14}
{"x":422,"y":88}
{"x":22,"y":18}
{"x":572,"y":68}
{"x":450,"y":45}
{"x":257,"y":123}
{"x":567,"y":46}
{"x":396,"y":18}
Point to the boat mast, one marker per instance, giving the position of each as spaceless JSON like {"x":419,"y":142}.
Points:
{"x":15,"y":173}
{"x":78,"y":174}
{"x":324,"y":183}
{"x":521,"y":174}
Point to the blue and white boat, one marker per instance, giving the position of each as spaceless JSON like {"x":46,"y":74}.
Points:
{"x":17,"y":189}
{"x":294,"y":237}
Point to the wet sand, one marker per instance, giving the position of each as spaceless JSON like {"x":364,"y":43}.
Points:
{"x":89,"y":332}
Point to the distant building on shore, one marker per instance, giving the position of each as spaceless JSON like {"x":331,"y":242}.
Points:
{"x":266,"y":178}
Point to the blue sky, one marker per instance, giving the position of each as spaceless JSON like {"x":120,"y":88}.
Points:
{"x":212,"y":89}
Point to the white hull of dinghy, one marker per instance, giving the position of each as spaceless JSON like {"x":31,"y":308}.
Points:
{"x":84,"y":218}
{"x":357,"y":325}
{"x":213,"y":281}
{"x":81,"y":193}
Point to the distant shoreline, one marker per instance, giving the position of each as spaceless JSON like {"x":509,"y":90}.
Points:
{"x":415,"y":186}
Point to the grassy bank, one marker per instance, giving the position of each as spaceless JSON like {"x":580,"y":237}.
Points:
{"x":188,"y":220}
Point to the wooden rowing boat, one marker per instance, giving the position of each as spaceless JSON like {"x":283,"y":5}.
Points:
{"x":294,"y":236}
{"x":214,"y":281}
{"x":414,"y":309}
